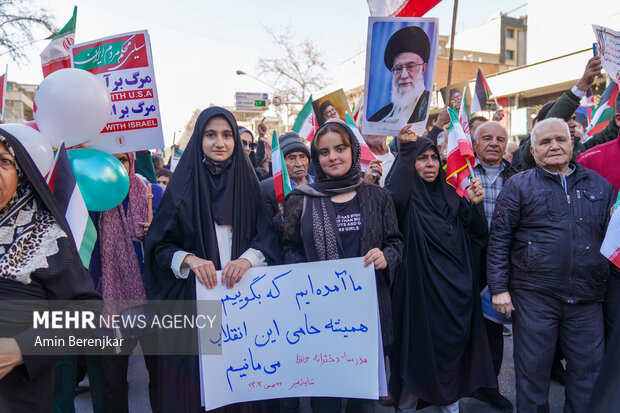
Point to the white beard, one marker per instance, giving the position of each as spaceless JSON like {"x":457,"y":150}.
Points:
{"x":407,"y":96}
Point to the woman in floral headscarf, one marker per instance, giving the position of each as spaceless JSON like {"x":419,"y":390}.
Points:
{"x":38,"y":261}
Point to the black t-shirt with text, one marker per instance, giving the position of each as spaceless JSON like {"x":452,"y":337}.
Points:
{"x":349,"y":222}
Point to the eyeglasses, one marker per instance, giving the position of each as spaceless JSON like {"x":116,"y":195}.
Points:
{"x":252,"y":145}
{"x":411,"y":67}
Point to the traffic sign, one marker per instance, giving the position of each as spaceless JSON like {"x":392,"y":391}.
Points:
{"x":251,"y":101}
{"x":277,"y":101}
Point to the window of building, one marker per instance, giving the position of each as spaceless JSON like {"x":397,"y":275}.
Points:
{"x":510,"y":54}
{"x":510,"y":33}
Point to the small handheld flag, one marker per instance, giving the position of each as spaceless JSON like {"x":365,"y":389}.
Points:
{"x":56,"y":55}
{"x":482,"y":92}
{"x":367,"y":154}
{"x":460,"y":155}
{"x":604,"y":112}
{"x":281,"y":180}
{"x":67,"y":194}
{"x":306,"y":124}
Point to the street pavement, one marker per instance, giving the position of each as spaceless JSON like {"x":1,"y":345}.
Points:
{"x":139,"y":399}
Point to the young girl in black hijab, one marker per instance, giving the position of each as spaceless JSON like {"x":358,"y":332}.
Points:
{"x":338,"y":216}
{"x":211,"y":217}
{"x":441,"y":350}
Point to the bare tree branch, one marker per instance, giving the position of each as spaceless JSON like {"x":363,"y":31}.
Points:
{"x":297,"y":69}
{"x":19,"y":21}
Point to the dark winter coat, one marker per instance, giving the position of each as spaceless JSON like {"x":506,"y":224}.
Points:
{"x":547,"y":240}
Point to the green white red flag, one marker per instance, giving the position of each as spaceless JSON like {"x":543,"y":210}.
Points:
{"x":281,"y":180}
{"x":604,"y":112}
{"x":56,"y":54}
{"x":306,"y":124}
{"x":460,"y":155}
{"x":463,"y":116}
{"x":367,"y":154}
{"x":464,"y":121}
{"x":3,"y":91}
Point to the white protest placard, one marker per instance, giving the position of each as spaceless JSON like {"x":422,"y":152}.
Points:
{"x":295,"y":331}
{"x":125,"y":64}
{"x":609,"y":49}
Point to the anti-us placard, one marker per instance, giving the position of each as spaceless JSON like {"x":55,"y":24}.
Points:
{"x":125,"y":64}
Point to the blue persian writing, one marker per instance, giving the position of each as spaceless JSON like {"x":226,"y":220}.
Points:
{"x":139,"y":108}
{"x":267,"y":369}
{"x":133,"y":80}
{"x":327,"y":289}
{"x":242,"y":302}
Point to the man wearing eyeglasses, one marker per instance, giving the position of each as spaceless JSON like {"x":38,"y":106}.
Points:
{"x":406,"y":56}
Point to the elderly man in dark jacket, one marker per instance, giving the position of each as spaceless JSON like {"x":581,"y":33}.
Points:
{"x":544,"y":267}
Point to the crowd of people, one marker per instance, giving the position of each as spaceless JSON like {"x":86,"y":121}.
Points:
{"x":529,"y":230}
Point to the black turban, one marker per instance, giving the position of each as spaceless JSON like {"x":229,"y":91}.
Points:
{"x":409,"y":39}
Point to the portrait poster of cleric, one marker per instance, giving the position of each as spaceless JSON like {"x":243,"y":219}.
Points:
{"x":400,"y":70}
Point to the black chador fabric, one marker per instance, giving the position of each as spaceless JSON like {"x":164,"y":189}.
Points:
{"x":200,"y":193}
{"x":44,"y":265}
{"x":606,"y":394}
{"x":441,"y":350}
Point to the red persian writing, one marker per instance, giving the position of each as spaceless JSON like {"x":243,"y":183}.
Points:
{"x":323,"y":358}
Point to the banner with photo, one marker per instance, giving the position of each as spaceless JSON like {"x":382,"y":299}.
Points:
{"x":401,"y":57}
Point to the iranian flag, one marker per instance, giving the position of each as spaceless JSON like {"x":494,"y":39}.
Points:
{"x":357,"y":109}
{"x":482,"y":92}
{"x":367,"y":154}
{"x":281,"y":180}
{"x":460,"y":155}
{"x":306,"y":124}
{"x":463,"y":117}
{"x":67,"y":194}
{"x":464,"y":121}
{"x":604,"y":112}
{"x":611,"y":244}
{"x":3,"y":91}
{"x":56,"y":54}
{"x":400,"y":8}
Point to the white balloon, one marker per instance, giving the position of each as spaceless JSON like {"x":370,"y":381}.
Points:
{"x":37,"y":145}
{"x":72,"y":105}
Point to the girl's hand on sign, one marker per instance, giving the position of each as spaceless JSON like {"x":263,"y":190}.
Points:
{"x":204,"y":270}
{"x":375,"y":255}
{"x":234,"y":270}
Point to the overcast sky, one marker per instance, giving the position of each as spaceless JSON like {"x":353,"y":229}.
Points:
{"x":199,"y":44}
